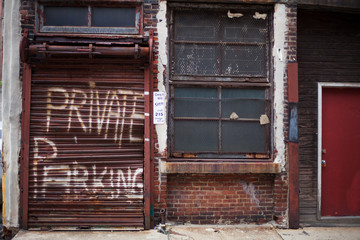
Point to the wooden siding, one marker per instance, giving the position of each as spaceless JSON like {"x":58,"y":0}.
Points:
{"x":328,"y":51}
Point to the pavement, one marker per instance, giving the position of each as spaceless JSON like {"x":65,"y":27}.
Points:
{"x":201,"y":232}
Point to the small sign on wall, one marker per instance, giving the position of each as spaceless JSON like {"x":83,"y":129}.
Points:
{"x":159,"y":107}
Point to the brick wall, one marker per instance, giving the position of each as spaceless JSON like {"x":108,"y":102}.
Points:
{"x":27,"y":13}
{"x":220,"y":199}
{"x":281,"y":199}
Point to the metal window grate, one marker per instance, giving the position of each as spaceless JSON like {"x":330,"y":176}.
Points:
{"x":220,"y":43}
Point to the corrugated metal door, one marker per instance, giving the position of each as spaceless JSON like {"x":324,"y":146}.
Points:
{"x":86,"y":145}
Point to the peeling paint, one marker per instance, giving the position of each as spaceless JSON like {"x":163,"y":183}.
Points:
{"x":258,"y":15}
{"x":264,"y":119}
{"x":234,"y":15}
{"x":280,"y":29}
{"x":162,"y":30}
{"x":234,"y":116}
{"x":162,"y":169}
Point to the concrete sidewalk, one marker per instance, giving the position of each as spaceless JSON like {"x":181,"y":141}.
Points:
{"x":201,"y":232}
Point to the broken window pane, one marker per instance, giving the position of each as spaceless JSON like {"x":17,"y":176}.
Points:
{"x":196,"y":136}
{"x":113,"y":17}
{"x":66,"y":16}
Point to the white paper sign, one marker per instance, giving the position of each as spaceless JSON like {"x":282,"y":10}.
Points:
{"x":159,"y":107}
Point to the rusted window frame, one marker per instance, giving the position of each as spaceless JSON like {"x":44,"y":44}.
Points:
{"x":71,"y":30}
{"x":237,"y":82}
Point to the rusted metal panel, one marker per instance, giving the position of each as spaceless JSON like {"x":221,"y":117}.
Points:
{"x":147,"y":136}
{"x":86,"y":160}
{"x":88,"y":50}
{"x":293,"y":185}
{"x":25,"y":129}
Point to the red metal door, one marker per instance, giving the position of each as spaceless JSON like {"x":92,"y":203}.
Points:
{"x":340,"y":183}
{"x":86,"y":157}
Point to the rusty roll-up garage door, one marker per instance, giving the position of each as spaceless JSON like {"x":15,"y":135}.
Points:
{"x":86,"y":145}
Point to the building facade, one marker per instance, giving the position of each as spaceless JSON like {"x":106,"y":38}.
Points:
{"x":119,"y":114}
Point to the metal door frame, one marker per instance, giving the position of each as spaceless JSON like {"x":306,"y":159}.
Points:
{"x":322,"y":85}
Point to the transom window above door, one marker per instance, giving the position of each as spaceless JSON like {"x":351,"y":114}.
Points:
{"x":89,"y":19}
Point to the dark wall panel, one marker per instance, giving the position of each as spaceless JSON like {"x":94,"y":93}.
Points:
{"x":328,"y":51}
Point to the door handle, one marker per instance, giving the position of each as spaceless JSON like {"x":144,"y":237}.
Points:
{"x":323,"y":163}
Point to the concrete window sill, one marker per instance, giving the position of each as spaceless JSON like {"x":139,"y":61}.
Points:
{"x":186,"y":167}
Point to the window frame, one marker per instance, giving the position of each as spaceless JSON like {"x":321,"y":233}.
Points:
{"x":237,"y":82}
{"x":41,"y":29}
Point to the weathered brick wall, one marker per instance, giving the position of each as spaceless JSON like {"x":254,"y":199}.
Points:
{"x":291,"y":38}
{"x":281,"y":199}
{"x":219,"y":198}
{"x":27,"y":12}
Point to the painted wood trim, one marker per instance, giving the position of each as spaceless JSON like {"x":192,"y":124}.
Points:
{"x":293,"y":83}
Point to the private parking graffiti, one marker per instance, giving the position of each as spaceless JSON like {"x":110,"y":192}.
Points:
{"x":100,"y":111}
{"x":87,"y":146}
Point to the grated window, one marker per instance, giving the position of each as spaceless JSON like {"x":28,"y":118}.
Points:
{"x":220,"y":43}
{"x":220,"y":96}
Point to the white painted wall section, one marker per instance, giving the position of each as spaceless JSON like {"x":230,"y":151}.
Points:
{"x":162,"y":30}
{"x":11,"y":110}
{"x":279,"y":56}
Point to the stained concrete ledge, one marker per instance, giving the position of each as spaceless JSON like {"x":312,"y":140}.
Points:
{"x":220,"y":167}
